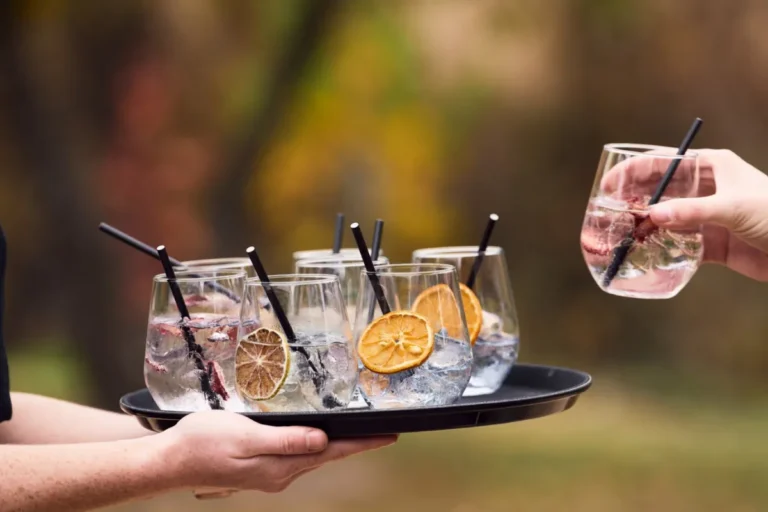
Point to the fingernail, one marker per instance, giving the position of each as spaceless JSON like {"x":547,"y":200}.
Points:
{"x":662,"y":214}
{"x":315,"y":441}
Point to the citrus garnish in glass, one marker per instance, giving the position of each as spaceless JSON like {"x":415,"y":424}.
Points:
{"x":397,"y":341}
{"x":262,"y":362}
{"x":438,"y":304}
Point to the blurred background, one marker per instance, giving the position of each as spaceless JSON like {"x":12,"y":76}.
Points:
{"x":212,"y":125}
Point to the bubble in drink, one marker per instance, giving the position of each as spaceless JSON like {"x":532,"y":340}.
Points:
{"x":659,"y":263}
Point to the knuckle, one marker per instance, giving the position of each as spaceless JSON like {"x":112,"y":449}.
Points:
{"x":290,"y":444}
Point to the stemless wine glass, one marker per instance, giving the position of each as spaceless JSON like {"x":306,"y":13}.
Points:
{"x":222,"y":263}
{"x":316,"y":367}
{"x":189,"y":364}
{"x":417,"y":354}
{"x":497,"y":344}
{"x":328,"y":253}
{"x":347,"y":269}
{"x":625,"y":252}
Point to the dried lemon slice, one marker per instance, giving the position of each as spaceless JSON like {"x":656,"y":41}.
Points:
{"x":262,"y":362}
{"x":397,"y":341}
{"x":438,"y":304}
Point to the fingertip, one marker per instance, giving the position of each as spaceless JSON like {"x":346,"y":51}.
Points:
{"x":662,"y":214}
{"x":316,"y":440}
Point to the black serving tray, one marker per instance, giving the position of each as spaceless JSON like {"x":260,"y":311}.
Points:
{"x":530,"y":391}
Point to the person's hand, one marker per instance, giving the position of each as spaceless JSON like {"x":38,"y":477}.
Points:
{"x":729,"y":201}
{"x":734,"y":217}
{"x":218,"y":449}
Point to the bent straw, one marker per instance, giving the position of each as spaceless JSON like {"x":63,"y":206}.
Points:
{"x":621,"y":251}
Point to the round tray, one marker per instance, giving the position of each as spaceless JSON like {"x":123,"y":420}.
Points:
{"x":530,"y":391}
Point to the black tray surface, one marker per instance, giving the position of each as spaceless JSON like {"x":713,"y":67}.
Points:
{"x":530,"y":391}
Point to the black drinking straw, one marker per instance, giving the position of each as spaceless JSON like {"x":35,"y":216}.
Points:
{"x":621,"y":251}
{"x":338,"y":233}
{"x":278,"y":308}
{"x":150,"y":251}
{"x":378,"y":231}
{"x":492,"y":219}
{"x":370,"y":269}
{"x":195,"y":350}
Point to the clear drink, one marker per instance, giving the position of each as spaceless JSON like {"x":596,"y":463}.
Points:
{"x":659,"y":262}
{"x":322,"y":376}
{"x":189,"y":363}
{"x":442,"y":377}
{"x":439,"y":381}
{"x":496,"y":348}
{"x":320,"y":368}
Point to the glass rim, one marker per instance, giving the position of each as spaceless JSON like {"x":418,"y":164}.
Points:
{"x":340,"y":262}
{"x":278,"y":280}
{"x":201,"y":275}
{"x":429,"y":269}
{"x":217,"y":262}
{"x":458,"y":251}
{"x":632,"y":149}
{"x":301,"y":255}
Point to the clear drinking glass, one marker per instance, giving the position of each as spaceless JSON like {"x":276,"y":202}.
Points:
{"x":321,"y":361}
{"x":328,"y":253}
{"x":347,"y":269}
{"x":430,"y":291}
{"x":189,"y":365}
{"x":243,"y":264}
{"x":625,"y":252}
{"x":497,"y":345}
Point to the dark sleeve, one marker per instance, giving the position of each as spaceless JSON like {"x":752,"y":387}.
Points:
{"x":5,"y":393}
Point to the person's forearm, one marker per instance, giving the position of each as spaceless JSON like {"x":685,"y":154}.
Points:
{"x":42,"y":420}
{"x":77,"y":477}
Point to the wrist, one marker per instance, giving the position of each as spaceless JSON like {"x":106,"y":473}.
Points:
{"x":166,"y":460}
{"x":176,"y":459}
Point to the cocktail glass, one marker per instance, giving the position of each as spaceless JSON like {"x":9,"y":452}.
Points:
{"x":417,"y":354}
{"x":625,"y":252}
{"x":497,"y":341}
{"x":347,"y":269}
{"x":189,"y":364}
{"x":316,"y":370}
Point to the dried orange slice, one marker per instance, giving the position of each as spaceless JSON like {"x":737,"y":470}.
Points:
{"x":262,"y":362}
{"x":397,"y":341}
{"x":438,"y":304}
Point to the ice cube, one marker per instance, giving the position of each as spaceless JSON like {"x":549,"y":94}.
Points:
{"x":447,"y":353}
{"x":491,"y":324}
{"x":218,"y":336}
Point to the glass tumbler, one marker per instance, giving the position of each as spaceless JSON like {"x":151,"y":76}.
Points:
{"x":497,"y":340}
{"x":625,"y":252}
